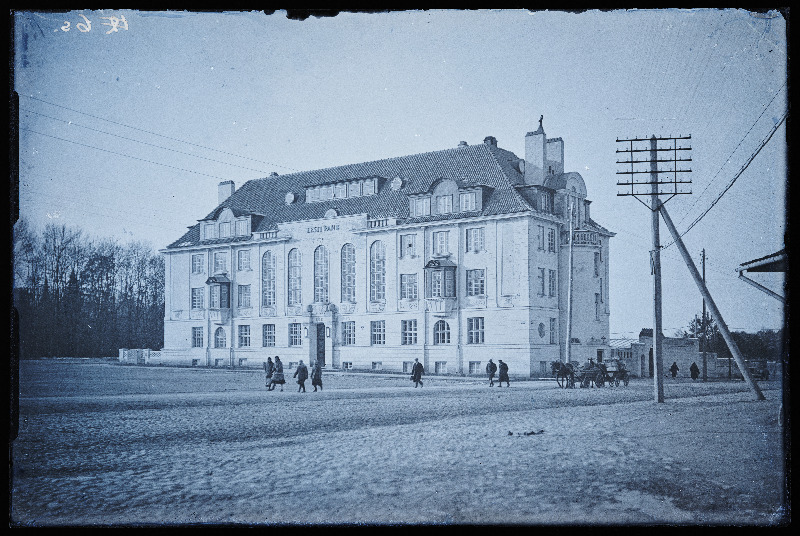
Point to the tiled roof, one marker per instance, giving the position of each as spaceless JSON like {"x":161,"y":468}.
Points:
{"x":479,"y":164}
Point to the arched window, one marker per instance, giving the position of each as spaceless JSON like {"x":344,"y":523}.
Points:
{"x":268,"y":279}
{"x":377,"y":271}
{"x":219,"y":338}
{"x":295,"y":295}
{"x":348,"y":273}
{"x":321,"y":275}
{"x":441,"y":333}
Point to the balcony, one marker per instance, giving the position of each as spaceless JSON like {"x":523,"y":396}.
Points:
{"x":219,"y":316}
{"x":440,"y":306}
{"x":582,"y":238}
{"x":385,"y":222}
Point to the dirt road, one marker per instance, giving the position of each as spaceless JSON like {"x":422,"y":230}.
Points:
{"x":108,"y":444}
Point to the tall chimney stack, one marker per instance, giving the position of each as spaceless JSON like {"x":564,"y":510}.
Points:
{"x":225,"y":190}
{"x":535,"y":155}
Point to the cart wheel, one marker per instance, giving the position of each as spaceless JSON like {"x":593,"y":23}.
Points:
{"x":626,"y":380}
{"x":616,"y":382}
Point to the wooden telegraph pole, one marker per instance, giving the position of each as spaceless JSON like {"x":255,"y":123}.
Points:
{"x":705,"y":330}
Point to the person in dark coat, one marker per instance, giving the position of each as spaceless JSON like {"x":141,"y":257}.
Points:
{"x":277,"y":375}
{"x":316,"y":376}
{"x":491,"y":368}
{"x":694,"y":371}
{"x":503,"y":376}
{"x":268,"y":368}
{"x":302,"y":375}
{"x":416,"y":373}
{"x":674,"y":369}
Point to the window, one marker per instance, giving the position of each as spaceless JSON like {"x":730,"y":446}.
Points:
{"x":347,"y":365}
{"x":348,"y":333}
{"x":243,"y":259}
{"x":295,"y":294}
{"x":597,"y":306}
{"x":241,"y":227}
{"x":440,"y":239}
{"x":340,"y":190}
{"x":475,"y":283}
{"x":377,"y":330}
{"x":348,"y":273}
{"x":440,"y":367}
{"x":540,"y":236}
{"x":321,"y":275}
{"x":369,"y":187}
{"x":475,"y":239}
{"x":377,"y":365}
{"x":441,"y":332}
{"x":475,"y":367}
{"x":541,"y":282}
{"x":551,"y":240}
{"x":408,"y":286}
{"x":407,"y":246}
{"x":326,"y":192}
{"x":442,"y":284}
{"x":219,"y":338}
{"x":197,"y":337}
{"x":552,"y":282}
{"x":295,"y":335}
{"x":468,"y":201}
{"x":243,"y":295}
{"x":197,"y":264}
{"x":475,"y":330}
{"x":354,"y":189}
{"x":219,"y":296}
{"x":225,"y":229}
{"x":312,"y":195}
{"x":197,"y":298}
{"x":544,"y":202}
{"x":596,"y":264}
{"x":377,"y":271}
{"x":268,"y":335}
{"x":268,"y":280}
{"x":244,"y":336}
{"x":444,"y":204}
{"x":407,"y":366}
{"x":408,"y":332}
{"x":601,"y":290}
{"x":210,"y":229}
{"x":220,"y":262}
{"x":421,"y":207}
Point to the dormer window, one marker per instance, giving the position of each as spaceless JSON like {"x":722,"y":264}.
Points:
{"x":225,"y":229}
{"x":209,"y":230}
{"x":241,"y":227}
{"x":444,"y":204}
{"x":354,"y":189}
{"x":368,"y":187}
{"x":421,"y":206}
{"x":468,"y":201}
{"x":340,"y":190}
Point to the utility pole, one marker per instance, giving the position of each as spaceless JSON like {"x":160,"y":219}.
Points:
{"x":657,"y":187}
{"x":705,"y":332}
{"x":568,"y":348}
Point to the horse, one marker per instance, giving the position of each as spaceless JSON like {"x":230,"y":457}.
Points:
{"x":564,"y":373}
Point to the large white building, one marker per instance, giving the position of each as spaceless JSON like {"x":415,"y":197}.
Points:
{"x":452,"y":257}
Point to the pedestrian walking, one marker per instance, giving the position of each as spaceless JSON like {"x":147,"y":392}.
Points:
{"x":316,"y":376}
{"x":694,"y":371}
{"x":268,"y":368}
{"x":277,"y":374}
{"x":416,"y":373}
{"x":302,"y":375}
{"x":674,"y":369}
{"x":491,"y":368}
{"x":503,"y":376}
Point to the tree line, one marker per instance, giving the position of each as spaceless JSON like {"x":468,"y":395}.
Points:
{"x":82,"y":297}
{"x":766,"y":344}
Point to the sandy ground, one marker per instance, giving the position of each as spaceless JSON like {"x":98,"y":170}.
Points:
{"x":101,"y":443}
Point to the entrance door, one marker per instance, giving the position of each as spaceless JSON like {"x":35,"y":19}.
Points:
{"x":321,"y":344}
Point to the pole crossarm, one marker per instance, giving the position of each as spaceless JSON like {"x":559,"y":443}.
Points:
{"x":654,"y":171}
{"x":669,"y":138}
{"x":657,"y":150}
{"x":656,"y":160}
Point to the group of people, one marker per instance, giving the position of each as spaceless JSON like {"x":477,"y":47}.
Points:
{"x":694,"y":370}
{"x":274,"y":371}
{"x":491,"y":368}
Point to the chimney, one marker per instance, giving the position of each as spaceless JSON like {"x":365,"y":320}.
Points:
{"x":273,"y":174}
{"x":462,"y":144}
{"x":555,"y":156}
{"x":490,"y":140}
{"x":225,"y":190}
{"x":535,"y":156}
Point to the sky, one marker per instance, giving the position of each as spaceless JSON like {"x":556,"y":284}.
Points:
{"x":128,"y":120}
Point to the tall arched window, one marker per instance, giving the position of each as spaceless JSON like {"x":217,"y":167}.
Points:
{"x":219,"y":338}
{"x":321,"y":275}
{"x":377,"y":271}
{"x":295,"y":295}
{"x":348,"y":273}
{"x":441,"y":333}
{"x":268,"y":279}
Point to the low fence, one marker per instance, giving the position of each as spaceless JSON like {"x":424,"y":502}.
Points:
{"x":138,"y":356}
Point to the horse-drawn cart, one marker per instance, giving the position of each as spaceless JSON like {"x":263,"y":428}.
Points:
{"x":592,"y":374}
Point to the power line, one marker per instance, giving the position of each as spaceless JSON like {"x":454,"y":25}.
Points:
{"x":139,"y":141}
{"x":157,"y":134}
{"x":123,"y":154}
{"x":728,"y":187}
